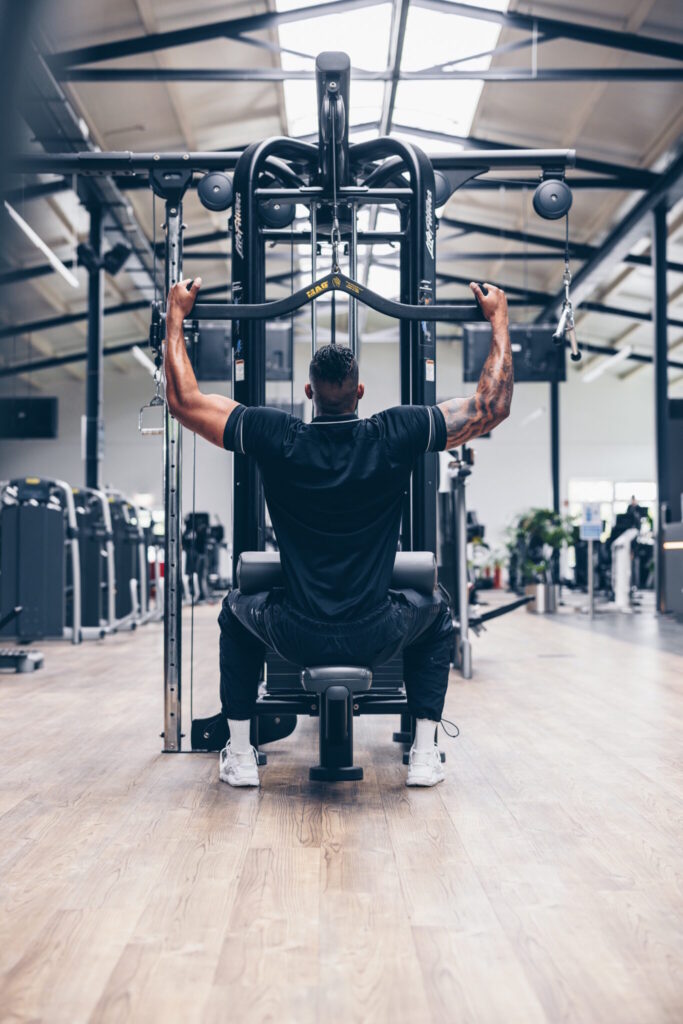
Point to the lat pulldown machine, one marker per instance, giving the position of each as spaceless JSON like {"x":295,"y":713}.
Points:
{"x":333,"y":179}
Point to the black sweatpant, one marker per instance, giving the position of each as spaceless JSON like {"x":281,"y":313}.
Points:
{"x":419,"y":626}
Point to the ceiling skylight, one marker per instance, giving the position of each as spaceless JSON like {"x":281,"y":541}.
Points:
{"x":433,"y":38}
{"x":368,"y":49}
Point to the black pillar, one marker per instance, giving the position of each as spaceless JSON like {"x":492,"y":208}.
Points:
{"x":555,"y":441}
{"x":661,"y":391}
{"x":93,"y":382}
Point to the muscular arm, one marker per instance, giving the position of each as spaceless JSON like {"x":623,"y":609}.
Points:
{"x":206,"y":415}
{"x":490,"y":405}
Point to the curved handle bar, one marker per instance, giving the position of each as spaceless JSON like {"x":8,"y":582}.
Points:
{"x":460,"y":312}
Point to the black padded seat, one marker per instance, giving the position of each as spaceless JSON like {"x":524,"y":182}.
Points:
{"x":261,"y":570}
{"x":336,"y":686}
{"x":354,"y":679}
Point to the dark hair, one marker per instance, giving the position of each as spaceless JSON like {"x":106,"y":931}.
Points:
{"x":333,"y":364}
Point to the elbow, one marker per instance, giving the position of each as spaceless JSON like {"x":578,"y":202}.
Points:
{"x":175,"y":406}
{"x":501,"y":410}
{"x":181,"y":405}
{"x":172,"y":402}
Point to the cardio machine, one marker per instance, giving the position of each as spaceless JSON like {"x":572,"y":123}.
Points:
{"x":40,"y":570}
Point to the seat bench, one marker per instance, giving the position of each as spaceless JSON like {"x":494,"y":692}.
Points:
{"x":338,"y":692}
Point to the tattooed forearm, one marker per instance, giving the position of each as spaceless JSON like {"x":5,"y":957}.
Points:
{"x":471,"y":417}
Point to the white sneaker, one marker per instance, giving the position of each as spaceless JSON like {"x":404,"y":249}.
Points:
{"x":424,"y":767}
{"x":238,"y":769}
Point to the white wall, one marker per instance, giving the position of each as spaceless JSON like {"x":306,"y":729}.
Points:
{"x":132,"y":463}
{"x":607,"y":432}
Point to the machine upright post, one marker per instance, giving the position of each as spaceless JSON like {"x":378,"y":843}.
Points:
{"x":173,"y":589}
{"x":555,"y":442}
{"x":462,"y":580}
{"x":314,"y":274}
{"x":353,"y":271}
{"x":404,"y":342}
{"x":423,"y":343}
{"x":661,"y":396}
{"x":94,"y":372}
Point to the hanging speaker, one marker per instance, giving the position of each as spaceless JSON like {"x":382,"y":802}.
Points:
{"x":215,"y":191}
{"x":552,"y":199}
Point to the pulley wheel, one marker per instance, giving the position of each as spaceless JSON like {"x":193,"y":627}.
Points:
{"x":276,"y":214}
{"x":552,"y":199}
{"x":215,"y":191}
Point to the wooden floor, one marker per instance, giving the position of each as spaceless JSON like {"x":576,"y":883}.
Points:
{"x":540,"y":883}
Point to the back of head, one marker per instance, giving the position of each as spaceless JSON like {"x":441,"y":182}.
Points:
{"x":333,"y":374}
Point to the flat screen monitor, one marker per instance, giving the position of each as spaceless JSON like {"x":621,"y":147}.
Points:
{"x":214,"y":351}
{"x":212,"y":361}
{"x":23,"y":418}
{"x":279,"y":350}
{"x":535,"y":355}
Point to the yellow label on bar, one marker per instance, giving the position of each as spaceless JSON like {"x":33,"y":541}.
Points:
{"x":317,"y":289}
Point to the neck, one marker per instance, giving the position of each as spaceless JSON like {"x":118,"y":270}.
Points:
{"x":333,"y":412}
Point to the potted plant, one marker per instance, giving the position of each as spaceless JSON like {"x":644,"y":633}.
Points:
{"x":534,"y":545}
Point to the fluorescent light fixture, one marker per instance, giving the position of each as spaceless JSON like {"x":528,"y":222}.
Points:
{"x":40,"y":244}
{"x":606,"y":364}
{"x":143,"y":359}
{"x":673,"y":545}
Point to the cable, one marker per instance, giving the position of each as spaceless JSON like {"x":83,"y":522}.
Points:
{"x":451,"y":735}
{"x":154,"y":244}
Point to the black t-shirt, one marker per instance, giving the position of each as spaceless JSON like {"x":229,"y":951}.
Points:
{"x":334,"y":489}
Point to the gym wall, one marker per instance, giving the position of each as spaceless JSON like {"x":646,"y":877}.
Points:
{"x":607,"y":432}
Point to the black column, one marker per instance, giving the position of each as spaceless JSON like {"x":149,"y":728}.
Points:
{"x":555,"y":442}
{"x":405,"y":367}
{"x":661,"y":391}
{"x":93,"y":382}
{"x":248,"y":349}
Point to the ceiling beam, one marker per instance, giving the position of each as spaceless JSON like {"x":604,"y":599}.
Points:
{"x":579,"y":250}
{"x":232,"y":28}
{"x":57,"y":127}
{"x":32,"y":366}
{"x":397,"y":39}
{"x":37,"y":190}
{"x":538,"y":298}
{"x":507,"y":75}
{"x":582,"y":33}
{"x":66,"y":319}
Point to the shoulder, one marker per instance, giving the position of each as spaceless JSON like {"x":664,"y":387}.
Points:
{"x":258,"y":430}
{"x":417,"y":427}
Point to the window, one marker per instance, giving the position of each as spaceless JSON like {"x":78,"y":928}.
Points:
{"x":614,"y":497}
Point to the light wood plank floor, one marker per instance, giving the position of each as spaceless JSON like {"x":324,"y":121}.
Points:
{"x":540,"y":883}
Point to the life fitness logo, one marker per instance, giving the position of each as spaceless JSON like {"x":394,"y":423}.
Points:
{"x":239,"y":235}
{"x":429,"y":222}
